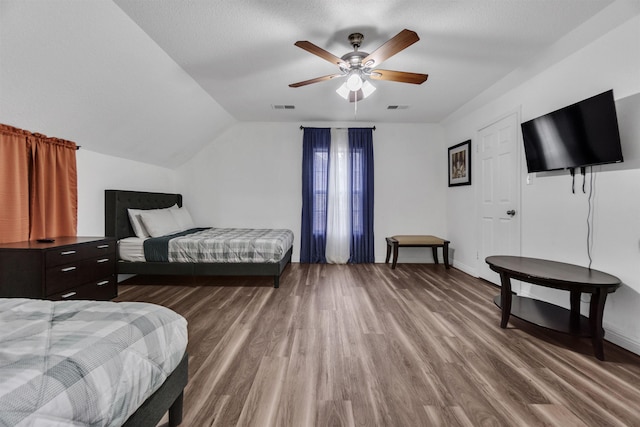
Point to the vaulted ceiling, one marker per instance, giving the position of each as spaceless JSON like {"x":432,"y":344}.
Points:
{"x":242,"y":52}
{"x":156,"y":81}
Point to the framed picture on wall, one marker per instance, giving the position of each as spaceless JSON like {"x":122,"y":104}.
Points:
{"x":460,"y":164}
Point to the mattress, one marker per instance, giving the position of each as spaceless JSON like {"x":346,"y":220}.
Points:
{"x":231,"y":245}
{"x":131,"y":249}
{"x":81,"y":363}
{"x":221,"y":245}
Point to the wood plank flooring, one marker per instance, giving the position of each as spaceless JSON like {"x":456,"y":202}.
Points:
{"x":364,"y":345}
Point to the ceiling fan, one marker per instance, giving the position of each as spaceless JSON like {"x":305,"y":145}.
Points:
{"x":358,"y":67}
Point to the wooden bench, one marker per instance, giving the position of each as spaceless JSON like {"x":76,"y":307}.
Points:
{"x":415,"y":241}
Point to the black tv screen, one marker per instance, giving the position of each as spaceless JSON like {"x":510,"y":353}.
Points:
{"x":582,"y":134}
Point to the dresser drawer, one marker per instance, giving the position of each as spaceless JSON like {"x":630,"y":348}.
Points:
{"x":104,"y":289}
{"x":71,"y":254}
{"x":75,"y":266}
{"x":67,"y":276}
{"x":100,"y":249}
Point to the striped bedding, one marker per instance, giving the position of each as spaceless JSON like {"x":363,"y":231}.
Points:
{"x":225,"y":245}
{"x":83,"y":363}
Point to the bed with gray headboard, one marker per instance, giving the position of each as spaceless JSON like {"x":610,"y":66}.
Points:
{"x":117,"y":224}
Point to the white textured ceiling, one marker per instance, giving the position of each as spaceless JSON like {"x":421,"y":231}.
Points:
{"x":242,"y":53}
{"x":156,"y":81}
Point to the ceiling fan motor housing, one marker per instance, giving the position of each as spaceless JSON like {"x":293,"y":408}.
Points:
{"x":354,"y":59}
{"x":356,"y":40}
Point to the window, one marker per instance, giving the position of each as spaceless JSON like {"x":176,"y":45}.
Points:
{"x":350,"y":230}
{"x":357,"y":201}
{"x":320,"y":168}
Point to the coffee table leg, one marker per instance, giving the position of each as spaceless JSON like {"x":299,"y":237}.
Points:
{"x":574,"y":318}
{"x":434,"y":251}
{"x":596,"y":310}
{"x":445,"y":254}
{"x":505,"y":297}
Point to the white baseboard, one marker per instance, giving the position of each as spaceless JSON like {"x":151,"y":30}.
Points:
{"x":618,"y":339}
{"x":465,"y":268}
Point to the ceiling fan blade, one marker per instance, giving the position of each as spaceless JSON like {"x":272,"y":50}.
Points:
{"x":318,"y":51}
{"x":399,"y":76}
{"x":400,"y":41}
{"x":316,"y":80}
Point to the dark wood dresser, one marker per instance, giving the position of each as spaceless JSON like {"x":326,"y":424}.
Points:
{"x":69,"y":268}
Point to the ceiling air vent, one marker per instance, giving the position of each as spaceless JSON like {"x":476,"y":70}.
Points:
{"x":283,"y":107}
{"x":397,"y":107}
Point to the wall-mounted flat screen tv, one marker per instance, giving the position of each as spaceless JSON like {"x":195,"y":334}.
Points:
{"x":582,"y":134}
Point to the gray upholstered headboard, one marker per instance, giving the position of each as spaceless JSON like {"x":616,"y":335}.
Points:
{"x":116,"y":203}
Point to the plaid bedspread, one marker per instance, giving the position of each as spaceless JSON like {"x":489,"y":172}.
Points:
{"x":83,"y":363}
{"x":231,"y":245}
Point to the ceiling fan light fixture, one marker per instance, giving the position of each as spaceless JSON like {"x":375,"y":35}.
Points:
{"x":354,"y":82}
{"x":367,"y":89}
{"x":343,"y":91}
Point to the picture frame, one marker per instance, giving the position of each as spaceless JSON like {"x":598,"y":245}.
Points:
{"x":459,"y":160}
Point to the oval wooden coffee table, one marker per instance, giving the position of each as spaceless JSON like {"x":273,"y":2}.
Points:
{"x":557,"y":275}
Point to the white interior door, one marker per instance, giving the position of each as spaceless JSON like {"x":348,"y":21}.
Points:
{"x":499,"y":195}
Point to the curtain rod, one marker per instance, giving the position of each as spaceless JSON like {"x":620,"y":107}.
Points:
{"x":374,"y":128}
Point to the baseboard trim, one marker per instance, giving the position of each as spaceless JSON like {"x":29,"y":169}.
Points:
{"x":620,"y":340}
{"x":465,"y":268}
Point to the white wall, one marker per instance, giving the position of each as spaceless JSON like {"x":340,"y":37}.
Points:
{"x":98,"y":172}
{"x":251,"y":176}
{"x":553,"y":219}
{"x":84,"y":71}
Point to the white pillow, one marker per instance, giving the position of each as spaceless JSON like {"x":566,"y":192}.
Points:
{"x":136,"y":223}
{"x":159,"y":222}
{"x":182,"y":217}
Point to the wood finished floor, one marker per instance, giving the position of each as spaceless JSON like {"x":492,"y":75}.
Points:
{"x":364,"y":345}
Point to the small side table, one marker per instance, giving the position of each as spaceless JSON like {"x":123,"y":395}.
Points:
{"x":417,"y":241}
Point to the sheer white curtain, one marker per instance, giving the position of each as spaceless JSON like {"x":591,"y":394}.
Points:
{"x":339,"y":199}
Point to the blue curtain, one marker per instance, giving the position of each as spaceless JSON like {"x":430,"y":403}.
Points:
{"x":361,"y":150}
{"x":315,"y":180}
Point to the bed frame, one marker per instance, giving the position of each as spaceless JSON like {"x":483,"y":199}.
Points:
{"x":116,"y":224}
{"x":168,"y":396}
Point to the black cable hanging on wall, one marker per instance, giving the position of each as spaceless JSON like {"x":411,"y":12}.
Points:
{"x":592,"y":182}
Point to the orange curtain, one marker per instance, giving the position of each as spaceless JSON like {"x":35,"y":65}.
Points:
{"x":54,"y":188}
{"x":38,"y":186}
{"x":14,"y":184}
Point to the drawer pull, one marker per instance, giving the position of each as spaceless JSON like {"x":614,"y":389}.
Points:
{"x":67,"y":252}
{"x":100,"y":261}
{"x":67,"y":269}
{"x":104,"y":282}
{"x":69,"y":295}
{"x":103,"y":246}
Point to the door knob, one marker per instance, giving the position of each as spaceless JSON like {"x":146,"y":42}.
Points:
{"x":511,"y":212}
